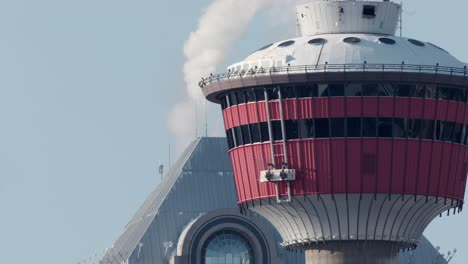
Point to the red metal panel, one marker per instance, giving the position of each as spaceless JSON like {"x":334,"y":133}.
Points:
{"x":370,"y":106}
{"x":401,"y":166}
{"x":308,"y":168}
{"x":226,"y":119}
{"x":354,"y":162}
{"x":337,"y":107}
{"x":337,"y":164}
{"x":237,"y":175}
{"x":444,"y":175}
{"x":424,"y":167}
{"x":401,"y":107}
{"x":234,"y":169}
{"x":453,"y":167}
{"x":353,"y":107}
{"x":274,"y":110}
{"x":235,"y":116}
{"x":290,"y":109}
{"x":459,"y":191}
{"x":244,"y":173}
{"x":386,"y":106}
{"x":416,"y":108}
{"x":369,"y":165}
{"x":267,"y":151}
{"x":435,"y":167}
{"x":411,"y":165}
{"x":294,"y":162}
{"x":398,"y":169}
{"x":257,"y":165}
{"x":320,"y":107}
{"x":460,"y":113}
{"x":441,"y":110}
{"x":252,"y":112}
{"x":304,"y":108}
{"x":466,"y":115}
{"x":243,"y":113}
{"x":452,"y":111}
{"x":430,"y":108}
{"x":323,"y":168}
{"x":384,"y":157}
{"x":261,"y":108}
{"x":252,"y":172}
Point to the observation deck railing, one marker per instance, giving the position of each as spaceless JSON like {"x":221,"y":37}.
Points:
{"x":322,"y":68}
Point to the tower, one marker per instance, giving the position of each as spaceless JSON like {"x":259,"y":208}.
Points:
{"x":348,"y":139}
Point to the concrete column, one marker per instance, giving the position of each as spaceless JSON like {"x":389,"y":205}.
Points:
{"x":353,"y":252}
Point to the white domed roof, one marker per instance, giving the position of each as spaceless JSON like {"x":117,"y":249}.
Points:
{"x":348,"y":49}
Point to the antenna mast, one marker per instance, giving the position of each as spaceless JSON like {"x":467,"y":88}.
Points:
{"x":401,"y":19}
{"x":298,"y":28}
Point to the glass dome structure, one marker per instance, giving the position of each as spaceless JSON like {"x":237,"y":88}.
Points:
{"x":227,"y":247}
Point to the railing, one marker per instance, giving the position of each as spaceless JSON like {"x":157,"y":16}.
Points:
{"x":435,"y":69}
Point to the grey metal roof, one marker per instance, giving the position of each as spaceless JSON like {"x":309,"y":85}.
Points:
{"x":188,"y":190}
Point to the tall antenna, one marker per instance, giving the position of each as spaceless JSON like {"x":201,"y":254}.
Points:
{"x":401,"y":19}
{"x":298,"y":28}
{"x":206,"y":118}
{"x":169,"y":156}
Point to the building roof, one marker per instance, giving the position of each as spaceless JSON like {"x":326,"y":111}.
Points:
{"x":201,"y":167}
{"x":347,"y":49}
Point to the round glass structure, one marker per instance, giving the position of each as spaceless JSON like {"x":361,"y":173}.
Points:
{"x":227,"y":247}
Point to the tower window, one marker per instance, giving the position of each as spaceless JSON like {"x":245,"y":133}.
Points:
{"x":368,"y":11}
{"x":388,"y":41}
{"x":317,"y":41}
{"x":352,"y":40}
{"x":286,"y":43}
{"x":416,"y":42}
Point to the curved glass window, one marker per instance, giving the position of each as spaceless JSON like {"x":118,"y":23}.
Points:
{"x":354,"y":127}
{"x":352,"y":40}
{"x":286,"y":43}
{"x":317,"y":41}
{"x":227,"y":247}
{"x":416,"y":42}
{"x":388,"y":41}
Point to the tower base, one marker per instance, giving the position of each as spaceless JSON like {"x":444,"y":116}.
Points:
{"x":353,"y":252}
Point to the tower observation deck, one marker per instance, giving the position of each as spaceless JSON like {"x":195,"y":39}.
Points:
{"x":348,"y":139}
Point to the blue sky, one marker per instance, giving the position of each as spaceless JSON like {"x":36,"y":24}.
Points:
{"x":85,"y":88}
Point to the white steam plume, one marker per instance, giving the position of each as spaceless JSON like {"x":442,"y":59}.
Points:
{"x":221,"y":24}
